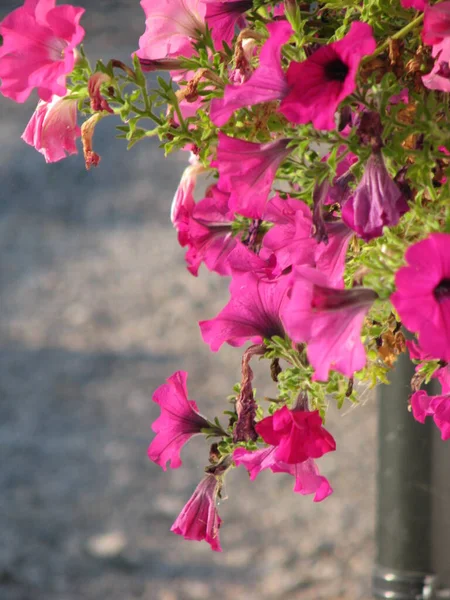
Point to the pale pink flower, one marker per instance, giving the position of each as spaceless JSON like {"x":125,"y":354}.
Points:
{"x":53,"y":128}
{"x":222,"y":17}
{"x":307,"y":477}
{"x":422,"y":299}
{"x":252,"y":314}
{"x":322,"y":81}
{"x":247,"y":171}
{"x":298,"y":434}
{"x":329,"y":320}
{"x":38,"y":51}
{"x":199,"y":519}
{"x":170,"y":28}
{"x":178,"y":422}
{"x":268,"y":81}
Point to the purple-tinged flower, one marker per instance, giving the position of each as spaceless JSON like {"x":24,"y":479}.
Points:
{"x":322,"y":81}
{"x":268,"y":82}
{"x":307,"y":477}
{"x":178,"y":422}
{"x":222,"y":17}
{"x":330,"y":256}
{"x":436,"y":23}
{"x":199,"y":519}
{"x":298,"y":435}
{"x":252,"y":314}
{"x":422,"y":298}
{"x":329,"y":320}
{"x":247,"y":171}
{"x":376,"y":202}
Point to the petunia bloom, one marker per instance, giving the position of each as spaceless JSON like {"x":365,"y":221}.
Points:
{"x":183,"y":202}
{"x":178,"y":422}
{"x":247,"y":171}
{"x":436,"y":23}
{"x":439,"y":77}
{"x":437,"y":407}
{"x":329,"y":257}
{"x":222,"y":17}
{"x":170,"y":28}
{"x":199,"y":519}
{"x":298,"y":435}
{"x":53,"y":128}
{"x":322,"y":81}
{"x":329,"y":320}
{"x":376,"y":202}
{"x":268,"y":81}
{"x":422,"y":298}
{"x":416,"y":4}
{"x":38,"y":51}
{"x":307,"y":477}
{"x":252,"y":314}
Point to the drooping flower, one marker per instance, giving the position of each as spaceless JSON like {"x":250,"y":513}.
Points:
{"x":247,"y":171}
{"x":183,"y":202}
{"x":252,"y":314}
{"x":297,"y":434}
{"x":178,"y":422}
{"x":268,"y":82}
{"x":307,"y":477}
{"x":199,"y":519}
{"x":53,"y":128}
{"x":322,"y":81}
{"x":38,"y":51}
{"x":439,"y":77}
{"x":436,"y":23}
{"x":437,"y":407}
{"x":170,"y":27}
{"x":422,"y":298}
{"x":329,"y":320}
{"x":376,"y":202}
{"x":222,"y":17}
{"x":290,"y":238}
{"x":209,"y":233}
{"x":98,"y":102}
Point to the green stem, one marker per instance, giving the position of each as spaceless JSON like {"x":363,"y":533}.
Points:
{"x":401,"y":33}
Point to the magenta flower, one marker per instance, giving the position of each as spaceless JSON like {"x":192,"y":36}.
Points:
{"x":38,"y":50}
{"x":307,"y":477}
{"x":290,"y":239}
{"x":268,"y":82}
{"x":330,"y":256}
{"x":199,"y":519}
{"x":252,"y":314}
{"x":322,"y":81}
{"x":247,"y":171}
{"x":297,"y":434}
{"x":436,"y":23}
{"x":416,"y":4}
{"x":329,"y":320}
{"x":209,"y":234}
{"x":422,"y":299}
{"x":376,"y":202}
{"x":178,"y":422}
{"x":437,"y":407}
{"x":183,"y":202}
{"x":439,"y":76}
{"x":222,"y":17}
{"x":170,"y":27}
{"x":53,"y":128}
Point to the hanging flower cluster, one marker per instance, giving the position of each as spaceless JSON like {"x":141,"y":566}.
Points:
{"x":322,"y":130}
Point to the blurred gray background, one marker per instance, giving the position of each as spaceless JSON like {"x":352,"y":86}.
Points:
{"x":97,"y":309}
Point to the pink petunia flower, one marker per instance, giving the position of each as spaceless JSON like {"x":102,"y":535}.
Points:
{"x":199,"y":519}
{"x":247,"y":171}
{"x":437,"y":407}
{"x":329,"y":320}
{"x":252,"y":314}
{"x":183,"y":202}
{"x":376,"y":202}
{"x":53,"y":128}
{"x":322,"y":81}
{"x":222,"y":17}
{"x":298,"y":435}
{"x":422,"y":298}
{"x":170,"y":28}
{"x":436,"y":23}
{"x":268,"y":82}
{"x":439,"y":77}
{"x":307,"y":477}
{"x":330,"y":256}
{"x":38,"y":51}
{"x":178,"y":422}
{"x":290,"y":238}
{"x":416,"y":4}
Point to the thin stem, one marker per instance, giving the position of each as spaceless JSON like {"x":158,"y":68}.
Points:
{"x":401,"y":33}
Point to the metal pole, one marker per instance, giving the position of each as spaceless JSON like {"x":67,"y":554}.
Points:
{"x":403,"y":568}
